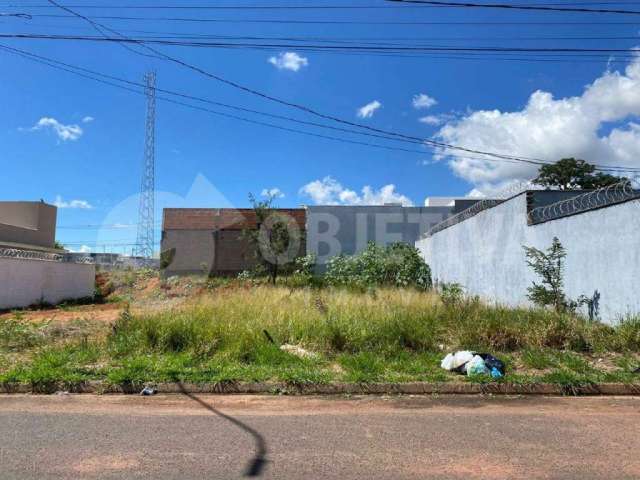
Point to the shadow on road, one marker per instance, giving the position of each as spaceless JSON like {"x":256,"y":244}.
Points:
{"x":259,"y":461}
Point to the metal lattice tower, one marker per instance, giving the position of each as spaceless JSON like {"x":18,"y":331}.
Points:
{"x":145,"y":239}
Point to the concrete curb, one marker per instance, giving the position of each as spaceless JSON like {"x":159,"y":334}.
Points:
{"x":413,"y":388}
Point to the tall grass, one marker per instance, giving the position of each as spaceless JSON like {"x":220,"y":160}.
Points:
{"x":230,"y":323}
{"x":385,"y":334}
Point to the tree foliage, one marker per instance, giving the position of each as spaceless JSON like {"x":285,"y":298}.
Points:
{"x":573,"y":174}
{"x":276,"y":242}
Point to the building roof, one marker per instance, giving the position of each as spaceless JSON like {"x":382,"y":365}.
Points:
{"x":220,"y":218}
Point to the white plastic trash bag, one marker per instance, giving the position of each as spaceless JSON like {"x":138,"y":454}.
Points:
{"x":455,"y":360}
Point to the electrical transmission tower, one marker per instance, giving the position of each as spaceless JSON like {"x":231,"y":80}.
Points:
{"x":145,"y":240}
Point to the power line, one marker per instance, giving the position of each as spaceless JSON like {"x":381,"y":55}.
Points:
{"x":114,"y":240}
{"x":300,"y":107}
{"x":306,"y":109}
{"x":265,"y":96}
{"x":385,"y":40}
{"x":221,"y":7}
{"x":235,"y":117}
{"x":25,"y":16}
{"x":518,"y":7}
{"x":321,"y":7}
{"x":202,"y":99}
{"x":336,"y":22}
{"x":158,"y":34}
{"x":319,"y":47}
{"x":382,"y":41}
{"x":531,"y":161}
{"x":106,"y":226}
{"x":303,"y":108}
{"x":88,"y":74}
{"x":531,"y":54}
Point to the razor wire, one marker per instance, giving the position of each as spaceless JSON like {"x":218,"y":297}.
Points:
{"x":43,"y":256}
{"x":602,"y":197}
{"x":484,"y":204}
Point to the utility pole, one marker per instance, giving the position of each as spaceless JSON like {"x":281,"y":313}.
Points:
{"x":145,"y":238}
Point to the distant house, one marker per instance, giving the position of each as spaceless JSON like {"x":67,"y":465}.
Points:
{"x":211,"y":240}
{"x":32,"y":270}
{"x":28,"y":225}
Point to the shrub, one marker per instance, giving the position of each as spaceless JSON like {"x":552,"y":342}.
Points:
{"x":628,"y":334}
{"x":305,"y":265}
{"x":451,"y":294}
{"x":397,"y":265}
{"x":16,"y":335}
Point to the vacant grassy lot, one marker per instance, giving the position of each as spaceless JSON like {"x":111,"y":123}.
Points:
{"x":199,"y":331}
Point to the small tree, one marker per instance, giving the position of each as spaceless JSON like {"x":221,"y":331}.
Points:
{"x":549,"y":266}
{"x":573,"y":174}
{"x":276,"y":241}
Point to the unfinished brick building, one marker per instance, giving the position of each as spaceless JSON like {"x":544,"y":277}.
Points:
{"x":210,"y":240}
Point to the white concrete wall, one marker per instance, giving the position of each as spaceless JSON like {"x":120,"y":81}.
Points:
{"x":26,"y":282}
{"x":484,"y":253}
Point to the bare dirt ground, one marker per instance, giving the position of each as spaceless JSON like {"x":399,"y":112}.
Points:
{"x":222,"y":437}
{"x":141,"y":294}
{"x":107,"y":312}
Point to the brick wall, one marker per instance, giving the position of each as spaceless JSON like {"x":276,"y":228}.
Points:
{"x":233,"y":252}
{"x":220,"y":218}
{"x":210,"y":239}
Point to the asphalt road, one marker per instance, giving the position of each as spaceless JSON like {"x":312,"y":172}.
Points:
{"x":226,"y":437}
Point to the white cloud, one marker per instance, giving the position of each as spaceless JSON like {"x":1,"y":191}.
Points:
{"x":329,"y":191}
{"x":64,"y":132}
{"x":82,"y":204}
{"x":289,"y":61}
{"x":88,"y":119}
{"x":422,"y":100}
{"x":551,"y":129}
{"x":439,"y":119}
{"x":369,"y":109}
{"x":272,"y":192}
{"x":432,"y":120}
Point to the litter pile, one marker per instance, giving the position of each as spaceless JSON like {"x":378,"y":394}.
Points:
{"x":472,"y":363}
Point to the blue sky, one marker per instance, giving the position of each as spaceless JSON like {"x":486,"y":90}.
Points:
{"x":80,"y":143}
